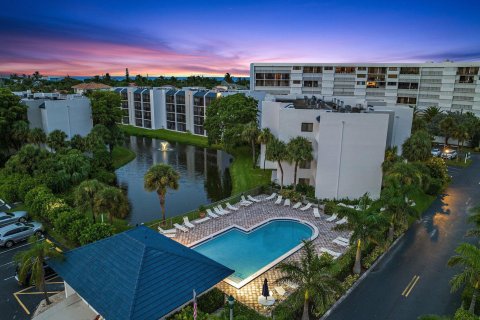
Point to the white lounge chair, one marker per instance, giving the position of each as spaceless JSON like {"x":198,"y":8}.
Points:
{"x":198,"y":221}
{"x":252,"y":199}
{"x":340,"y":204}
{"x":180,"y":227}
{"x":223,"y":210}
{"x":297,"y":205}
{"x":187,"y":223}
{"x":287,"y":203}
{"x":245,"y":203}
{"x":229,"y":206}
{"x":280,"y":291}
{"x":161,"y":230}
{"x":211,"y":214}
{"x":306,"y":207}
{"x":279,"y":200}
{"x":332,"y":218}
{"x":270,"y":197}
{"x":342,"y":221}
{"x":316,"y":213}
{"x":340,"y":243}
{"x":218,"y":211}
{"x":334,"y":254}
{"x":169,"y":235}
{"x":344,"y":239}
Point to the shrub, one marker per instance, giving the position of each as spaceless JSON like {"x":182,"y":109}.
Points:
{"x":343,"y":266}
{"x":438,"y":169}
{"x":104,"y":176}
{"x":462,"y":314}
{"x":291,"y":194}
{"x":187,"y":314}
{"x":211,"y":301}
{"x":25,"y":185}
{"x":435,"y":187}
{"x":65,"y":220}
{"x":9,"y":192}
{"x":330,"y":207}
{"x":372,"y":257}
{"x":95,"y":232}
{"x":76,"y":229}
{"x":39,"y":200}
{"x":307,"y":190}
{"x":349,"y":281}
{"x":288,"y":309}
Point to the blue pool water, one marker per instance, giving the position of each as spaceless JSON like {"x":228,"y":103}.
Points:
{"x":246,"y":253}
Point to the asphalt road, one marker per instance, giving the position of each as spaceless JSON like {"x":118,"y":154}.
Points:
{"x":413,"y":278}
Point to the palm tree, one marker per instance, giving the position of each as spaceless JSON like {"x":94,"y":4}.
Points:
{"x":475,"y":219}
{"x":264,"y":137}
{"x":113,"y":202}
{"x":159,"y":178}
{"x":430,"y":113}
{"x":78,"y":142}
{"x":56,"y":140}
{"x":84,"y":196}
{"x":37,"y":136}
{"x":299,"y":149}
{"x":448,"y":126}
{"x":250,"y":134}
{"x":366,"y":224}
{"x":467,"y":256}
{"x":418,"y":146}
{"x":461,"y":134}
{"x":31,"y":263}
{"x":316,"y":285}
{"x":276,"y":151}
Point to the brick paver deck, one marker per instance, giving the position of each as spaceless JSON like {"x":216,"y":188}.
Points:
{"x":250,"y":216}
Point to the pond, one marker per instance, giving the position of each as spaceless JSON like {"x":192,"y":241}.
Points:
{"x":204,"y":177}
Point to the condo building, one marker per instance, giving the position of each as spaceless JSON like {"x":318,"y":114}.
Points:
{"x":447,"y":85}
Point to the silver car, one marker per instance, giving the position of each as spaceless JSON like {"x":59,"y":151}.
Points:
{"x":17,"y":232}
{"x":7,"y":218}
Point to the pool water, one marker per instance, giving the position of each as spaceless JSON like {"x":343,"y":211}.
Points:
{"x":248,"y":252}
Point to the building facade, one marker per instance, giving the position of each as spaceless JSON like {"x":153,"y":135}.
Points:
{"x":449,"y":86}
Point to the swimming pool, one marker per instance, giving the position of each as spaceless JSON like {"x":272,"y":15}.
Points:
{"x":251,"y":252}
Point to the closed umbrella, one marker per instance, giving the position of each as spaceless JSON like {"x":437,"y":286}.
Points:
{"x":265,"y":291}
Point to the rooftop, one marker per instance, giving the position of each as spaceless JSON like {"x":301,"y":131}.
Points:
{"x":91,"y":86}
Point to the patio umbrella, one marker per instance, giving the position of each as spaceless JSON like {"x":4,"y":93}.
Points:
{"x":265,"y":291}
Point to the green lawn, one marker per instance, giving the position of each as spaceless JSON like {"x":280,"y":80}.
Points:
{"x":423,"y":201}
{"x":458,"y":163}
{"x":121,"y":156}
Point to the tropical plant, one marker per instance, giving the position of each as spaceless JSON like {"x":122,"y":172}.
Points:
{"x":299,"y":150}
{"x":94,"y":232}
{"x":37,"y":136}
{"x":475,"y":219}
{"x":250,"y":135}
{"x":84,"y":197}
{"x":159,"y":178}
{"x":316,"y":285}
{"x":56,"y":140}
{"x":264,"y":137}
{"x":12,"y":112}
{"x":79,"y":143}
{"x":31,"y":263}
{"x":461,"y":134}
{"x":431,"y":112}
{"x":468,"y":256}
{"x":447,"y":127}
{"x":113,"y":202}
{"x":366,"y":224}
{"x":417,"y":147}
{"x":276,"y":151}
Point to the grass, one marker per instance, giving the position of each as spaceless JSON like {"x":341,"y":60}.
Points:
{"x":121,"y":156}
{"x":422,"y":201}
{"x":458,"y":163}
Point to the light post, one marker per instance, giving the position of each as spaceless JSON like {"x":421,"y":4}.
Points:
{"x":231,"y":301}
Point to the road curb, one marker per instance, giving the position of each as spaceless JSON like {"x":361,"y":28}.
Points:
{"x":363,"y":276}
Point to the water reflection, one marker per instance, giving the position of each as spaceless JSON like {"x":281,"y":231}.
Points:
{"x":204,"y":177}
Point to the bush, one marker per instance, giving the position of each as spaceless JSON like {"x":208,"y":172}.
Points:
{"x":187,"y":314}
{"x":290,"y":308}
{"x":104,"y":176}
{"x":291,"y":194}
{"x":344,"y":265}
{"x":330,"y":207}
{"x":9,"y":192}
{"x":95,"y":232}
{"x":76,"y":229}
{"x":37,"y":201}
{"x":348,"y":282}
{"x":307,"y":190}
{"x":438,"y":169}
{"x":26,"y":184}
{"x":435,"y":187}
{"x":211,"y":301}
{"x":462,"y":314}
{"x":369,"y":259}
{"x":65,"y":220}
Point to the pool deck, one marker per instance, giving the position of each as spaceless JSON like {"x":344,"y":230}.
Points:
{"x":250,"y":216}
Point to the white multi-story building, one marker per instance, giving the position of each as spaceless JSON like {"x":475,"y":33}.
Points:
{"x":450,"y":86}
{"x":348,"y":147}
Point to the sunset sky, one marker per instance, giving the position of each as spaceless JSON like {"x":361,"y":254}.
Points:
{"x":213,"y":37}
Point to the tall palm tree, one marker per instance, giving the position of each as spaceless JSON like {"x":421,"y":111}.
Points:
{"x":159,"y":178}
{"x":84,"y":196}
{"x":299,"y":149}
{"x":468,"y":256}
{"x":366,"y":224}
{"x":113,"y":202}
{"x":418,"y":146}
{"x":56,"y":140}
{"x":276,"y":151}
{"x":264,"y":137}
{"x":31,"y":264}
{"x":37,"y":136}
{"x":448,"y":126}
{"x":316,"y":285}
{"x":461,"y":134}
{"x":250,"y":134}
{"x":430,"y":113}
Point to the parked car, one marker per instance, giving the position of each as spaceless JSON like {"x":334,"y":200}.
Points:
{"x":449,"y":154}
{"x":17,"y":232}
{"x":7,"y":218}
{"x":436,"y":152}
{"x":48,"y":272}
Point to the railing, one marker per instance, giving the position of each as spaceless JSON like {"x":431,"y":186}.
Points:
{"x":195,"y":214}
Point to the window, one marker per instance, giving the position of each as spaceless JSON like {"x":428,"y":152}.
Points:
{"x":297,"y":82}
{"x":180,"y":99}
{"x":170,"y":125}
{"x":377,"y":70}
{"x":362,"y":68}
{"x":297,"y":68}
{"x":181,"y":118}
{"x":406,"y":100}
{"x":307,"y":127}
{"x":305,"y":181}
{"x":198,"y":101}
{"x":345,"y":70}
{"x":181,"y":127}
{"x":312,"y":69}
{"x":305,"y":165}
{"x":198,"y":130}
{"x":171,"y":116}
{"x":467,"y":70}
{"x":409,"y":70}
{"x":391,"y":84}
{"x":310,"y":83}
{"x":362,"y":75}
{"x":327,"y":68}
{"x":170,"y":108}
{"x":392,"y":76}
{"x":170,"y":99}
{"x":361,"y":83}
{"x":408,"y":85}
{"x":466,"y":79}
{"x":180,"y":108}
{"x":392,"y":68}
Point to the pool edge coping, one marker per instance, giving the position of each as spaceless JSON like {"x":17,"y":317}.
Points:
{"x":268,"y":266}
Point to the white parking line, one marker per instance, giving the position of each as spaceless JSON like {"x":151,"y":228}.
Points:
{"x":8,"y":278}
{"x":6,"y":264}
{"x":15,"y":248}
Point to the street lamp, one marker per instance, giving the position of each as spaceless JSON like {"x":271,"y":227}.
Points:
{"x":231,"y":301}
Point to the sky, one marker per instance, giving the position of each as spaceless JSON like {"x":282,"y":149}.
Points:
{"x":85,"y":38}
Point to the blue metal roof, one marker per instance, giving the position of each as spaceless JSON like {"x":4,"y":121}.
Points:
{"x":200,"y":93}
{"x":138,"y":274}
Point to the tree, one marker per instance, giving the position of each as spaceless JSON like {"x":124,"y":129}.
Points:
{"x":250,"y":134}
{"x":475,"y":219}
{"x":461,"y":134}
{"x":417,"y":147}
{"x":264,"y":137}
{"x":56,"y":140}
{"x":11,"y":112}
{"x":316,"y":285}
{"x":113,"y":202}
{"x":468,"y":256}
{"x":447,"y":127}
{"x":19,"y":134}
{"x":74,"y":166}
{"x":226,"y":116}
{"x":366,"y":224}
{"x":228,"y":78}
{"x":127,"y":75}
{"x":37,"y":136}
{"x":430,"y":113}
{"x":107,"y":112}
{"x":95,"y":232}
{"x":276,"y":151}
{"x":84,"y":197}
{"x":299,"y":149}
{"x":31,"y":264}
{"x":159,"y":178}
